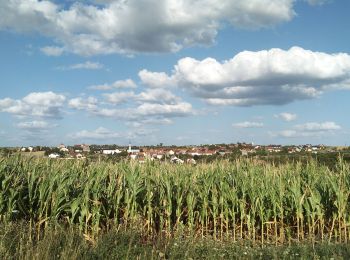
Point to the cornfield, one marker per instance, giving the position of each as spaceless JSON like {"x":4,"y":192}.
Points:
{"x":241,"y":200}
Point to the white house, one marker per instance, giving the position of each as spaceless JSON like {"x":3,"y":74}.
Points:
{"x":132,"y":151}
{"x":191,"y":161}
{"x":54,"y":155}
{"x":79,"y":156}
{"x":174,"y":159}
{"x":64,"y":149}
{"x":111,"y":152}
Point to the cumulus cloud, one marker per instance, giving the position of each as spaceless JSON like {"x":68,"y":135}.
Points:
{"x":150,"y":121}
{"x":103,"y":134}
{"x":158,"y":96}
{"x":292,"y":134}
{"x":100,"y":133}
{"x":156,"y":79}
{"x":152,"y":106}
{"x":37,"y":104}
{"x":137,"y":26}
{"x":170,"y":110}
{"x":310,"y":129}
{"x":248,"y":124}
{"x":118,"y":98}
{"x":80,"y":103}
{"x":314,"y":126}
{"x":288,"y":117}
{"x":88,"y":65}
{"x":119,"y":84}
{"x":148,"y":110}
{"x":267,"y":77}
{"x":317,"y":2}
{"x":52,"y":51}
{"x":36,"y":125}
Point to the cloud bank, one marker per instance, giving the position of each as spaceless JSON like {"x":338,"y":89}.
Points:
{"x":311,"y":129}
{"x":35,"y":104}
{"x":267,"y":77}
{"x":137,"y":26}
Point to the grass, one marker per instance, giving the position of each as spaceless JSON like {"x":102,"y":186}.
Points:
{"x":57,"y":242}
{"x":38,"y":154}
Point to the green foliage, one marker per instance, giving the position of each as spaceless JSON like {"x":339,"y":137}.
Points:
{"x":243,"y":199}
{"x":20,"y":241}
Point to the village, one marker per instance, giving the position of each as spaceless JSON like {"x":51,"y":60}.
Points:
{"x":174,"y":154}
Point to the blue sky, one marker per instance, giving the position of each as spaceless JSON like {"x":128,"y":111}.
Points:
{"x":174,"y":72}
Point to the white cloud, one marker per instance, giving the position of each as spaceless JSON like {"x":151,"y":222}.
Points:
{"x":150,"y":121}
{"x":149,"y":111}
{"x":80,"y":103}
{"x":36,"y":125}
{"x":100,"y":133}
{"x":6,"y":102}
{"x":52,"y":51}
{"x":118,"y":98}
{"x":310,"y":130}
{"x":88,"y":65}
{"x":314,"y":126}
{"x":248,"y":124}
{"x":158,"y":96}
{"x":292,"y":134}
{"x":156,"y":79}
{"x":138,"y":26}
{"x":128,"y":83}
{"x":169,"y":110}
{"x":44,"y":99}
{"x":317,"y":2}
{"x":264,"y":77}
{"x":105,"y":135}
{"x":288,"y":117}
{"x":37,"y":104}
{"x":152,"y":106}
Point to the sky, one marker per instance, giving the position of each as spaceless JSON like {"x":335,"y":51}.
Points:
{"x":174,"y":72}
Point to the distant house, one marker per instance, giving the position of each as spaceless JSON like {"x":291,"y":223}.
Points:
{"x":274,"y":148}
{"x":244,"y":152}
{"x":54,"y":156}
{"x":79,"y":156}
{"x":209,"y":152}
{"x":86,"y":148}
{"x":222,"y":152}
{"x":27,"y":149}
{"x":133,"y":151}
{"x":64,"y":149}
{"x":191,"y":161}
{"x":111,"y":152}
{"x":174,"y":159}
{"x":61,"y":146}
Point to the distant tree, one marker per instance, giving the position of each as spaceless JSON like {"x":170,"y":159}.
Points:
{"x":5,"y":152}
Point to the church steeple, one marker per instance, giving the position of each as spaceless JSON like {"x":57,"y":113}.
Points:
{"x":129,"y":150}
